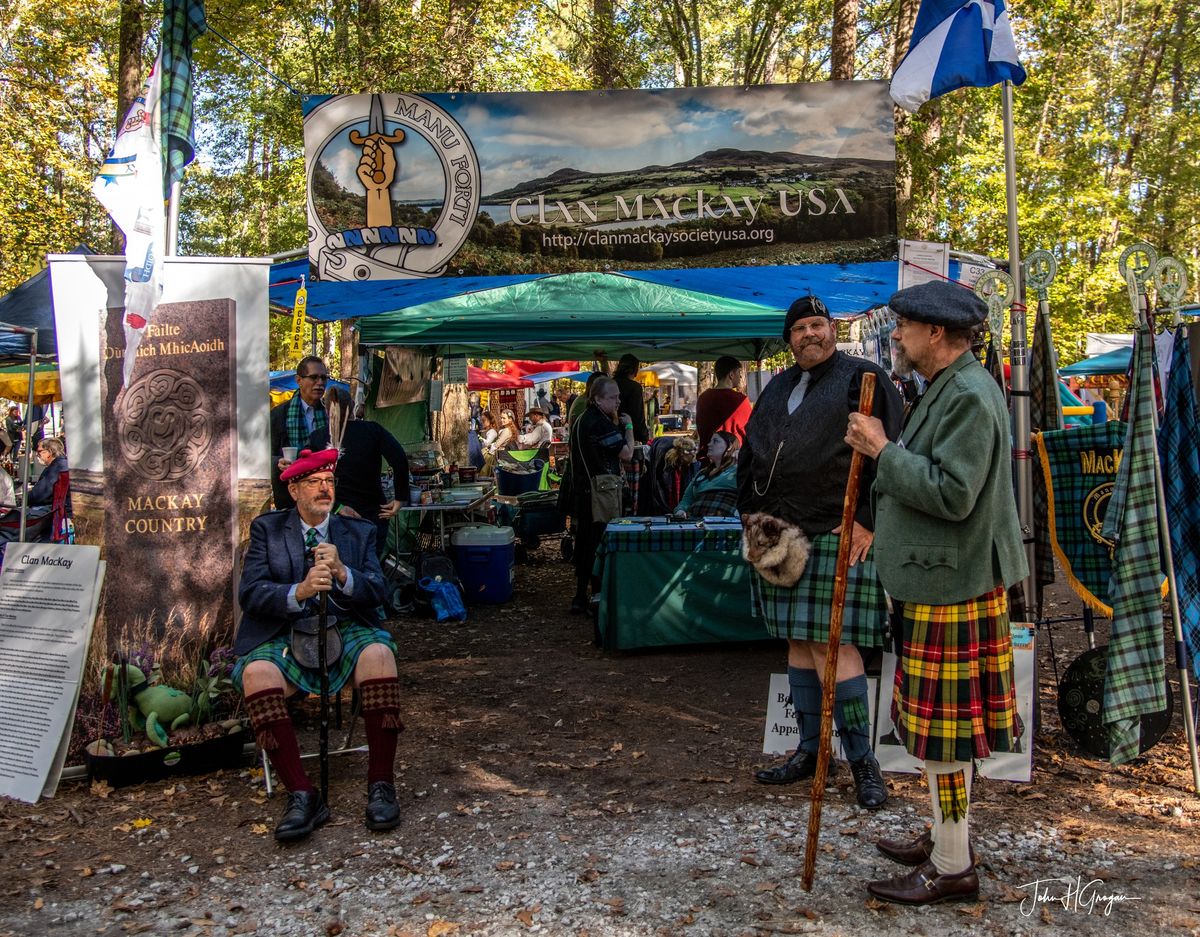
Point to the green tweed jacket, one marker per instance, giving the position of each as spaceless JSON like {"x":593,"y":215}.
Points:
{"x":946,"y":525}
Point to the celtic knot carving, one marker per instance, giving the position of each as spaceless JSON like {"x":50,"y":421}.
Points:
{"x":164,"y":425}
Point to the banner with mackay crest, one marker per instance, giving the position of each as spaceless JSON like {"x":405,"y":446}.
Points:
{"x":1080,"y":466}
{"x":410,"y":186}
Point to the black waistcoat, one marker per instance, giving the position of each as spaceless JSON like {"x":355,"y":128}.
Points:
{"x":809,"y":480}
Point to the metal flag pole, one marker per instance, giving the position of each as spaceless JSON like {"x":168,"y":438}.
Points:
{"x":1018,"y":352}
{"x":28,"y":433}
{"x":1170,"y":277}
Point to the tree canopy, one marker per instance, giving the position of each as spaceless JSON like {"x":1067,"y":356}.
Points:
{"x":1106,"y":125}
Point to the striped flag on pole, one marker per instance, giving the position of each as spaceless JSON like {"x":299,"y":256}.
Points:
{"x":956,"y":44}
{"x":130,"y":186}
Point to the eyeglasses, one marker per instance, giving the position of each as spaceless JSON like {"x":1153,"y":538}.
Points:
{"x":315,"y":484}
{"x":313,"y":377}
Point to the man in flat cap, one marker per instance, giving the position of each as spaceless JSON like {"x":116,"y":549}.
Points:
{"x":948,"y":543}
{"x":294,"y":556}
{"x":793,"y":468}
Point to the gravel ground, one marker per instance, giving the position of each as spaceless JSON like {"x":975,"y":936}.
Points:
{"x":550,"y":788}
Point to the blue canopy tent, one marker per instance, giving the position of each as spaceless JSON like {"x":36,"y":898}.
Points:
{"x":1111,"y":362}
{"x":28,"y":306}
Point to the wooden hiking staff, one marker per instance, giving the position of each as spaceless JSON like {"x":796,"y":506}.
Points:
{"x":866,"y":402}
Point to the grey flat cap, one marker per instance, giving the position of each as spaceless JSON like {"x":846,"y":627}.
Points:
{"x":939,"y":303}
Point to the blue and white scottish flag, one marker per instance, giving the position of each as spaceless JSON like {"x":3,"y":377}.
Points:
{"x":956,"y":44}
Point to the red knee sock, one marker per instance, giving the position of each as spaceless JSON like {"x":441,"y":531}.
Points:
{"x":381,"y":713}
{"x":277,"y":737}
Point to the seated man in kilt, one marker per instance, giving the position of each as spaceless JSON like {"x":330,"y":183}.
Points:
{"x":294,"y":556}
{"x":948,"y":544}
{"x":793,"y":467}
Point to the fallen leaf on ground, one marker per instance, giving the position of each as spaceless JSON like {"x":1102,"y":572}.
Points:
{"x":439,"y":928}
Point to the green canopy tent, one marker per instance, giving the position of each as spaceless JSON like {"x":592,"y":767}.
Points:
{"x":580,"y":315}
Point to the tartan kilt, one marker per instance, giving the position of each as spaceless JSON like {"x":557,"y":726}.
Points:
{"x":954,"y":697}
{"x":355,"y":638}
{"x":802,"y":611}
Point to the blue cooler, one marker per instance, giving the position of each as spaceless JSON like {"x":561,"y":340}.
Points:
{"x":483,"y":556}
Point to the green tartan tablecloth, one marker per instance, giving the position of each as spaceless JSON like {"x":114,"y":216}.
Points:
{"x":670,"y":584}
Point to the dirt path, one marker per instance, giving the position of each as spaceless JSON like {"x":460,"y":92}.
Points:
{"x":548,"y":787}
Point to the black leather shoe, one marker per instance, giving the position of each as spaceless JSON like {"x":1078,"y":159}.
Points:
{"x":578,"y":605}
{"x":924,"y":885}
{"x":383,"y":813}
{"x":800,"y":766}
{"x":304,"y":813}
{"x":913,"y":852}
{"x":868,"y":782}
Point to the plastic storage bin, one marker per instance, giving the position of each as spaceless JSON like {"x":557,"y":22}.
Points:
{"x":484,"y":558}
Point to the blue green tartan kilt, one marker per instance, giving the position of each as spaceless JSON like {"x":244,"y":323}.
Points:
{"x":355,"y":637}
{"x":802,"y":611}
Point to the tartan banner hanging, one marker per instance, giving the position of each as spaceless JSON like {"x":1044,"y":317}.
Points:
{"x":1080,"y":469}
{"x":1134,"y":684}
{"x":1045,"y":415}
{"x":1179,"y":452}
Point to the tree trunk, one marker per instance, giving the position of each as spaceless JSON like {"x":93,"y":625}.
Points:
{"x":845,"y":40}
{"x":906,"y":18}
{"x":603,"y":51}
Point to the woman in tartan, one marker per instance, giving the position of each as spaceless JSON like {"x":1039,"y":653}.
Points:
{"x":794,"y":466}
{"x":948,"y":543}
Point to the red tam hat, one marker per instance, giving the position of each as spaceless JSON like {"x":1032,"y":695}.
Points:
{"x":309,"y":463}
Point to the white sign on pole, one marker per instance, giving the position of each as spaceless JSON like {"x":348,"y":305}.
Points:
{"x":48,"y":596}
{"x":1002,"y":766}
{"x":922,"y":261}
{"x":782,"y":735}
{"x":454,"y":369}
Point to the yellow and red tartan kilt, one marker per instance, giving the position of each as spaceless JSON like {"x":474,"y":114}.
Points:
{"x":954,"y":698}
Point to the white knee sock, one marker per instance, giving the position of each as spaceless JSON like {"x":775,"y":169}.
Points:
{"x":951,"y":852}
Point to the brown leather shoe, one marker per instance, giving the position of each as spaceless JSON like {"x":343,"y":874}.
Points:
{"x":913,"y":852}
{"x":924,"y":885}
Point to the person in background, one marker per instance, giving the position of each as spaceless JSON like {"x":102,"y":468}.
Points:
{"x":506,"y":438}
{"x":53,"y":456}
{"x":600,"y":442}
{"x":543,"y":401}
{"x":581,"y":401}
{"x":723,"y":406}
{"x":713,"y":492}
{"x":488,"y":431}
{"x":15,"y":428}
{"x":294,"y":420}
{"x":540,"y":434}
{"x":365,"y":446}
{"x":632,"y":401}
{"x":474,"y":409}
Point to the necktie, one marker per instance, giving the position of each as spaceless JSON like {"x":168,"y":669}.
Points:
{"x":308,"y":418}
{"x":798,"y":392}
{"x":311,"y":539}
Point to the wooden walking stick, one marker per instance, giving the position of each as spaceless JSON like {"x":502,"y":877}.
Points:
{"x":866,"y":401}
{"x":322,"y":637}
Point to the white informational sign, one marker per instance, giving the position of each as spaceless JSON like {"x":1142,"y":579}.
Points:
{"x":48,"y":596}
{"x":454,"y":369}
{"x":969,"y":273}
{"x":1002,"y":766}
{"x":922,"y":261}
{"x":782,"y":734}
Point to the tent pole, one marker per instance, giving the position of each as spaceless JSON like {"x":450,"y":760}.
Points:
{"x":1018,"y":350}
{"x":28,"y":432}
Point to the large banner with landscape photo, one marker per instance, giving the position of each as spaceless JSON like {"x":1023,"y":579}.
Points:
{"x":407,"y":185}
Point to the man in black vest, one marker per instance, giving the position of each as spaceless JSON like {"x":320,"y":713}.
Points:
{"x":793,"y":467}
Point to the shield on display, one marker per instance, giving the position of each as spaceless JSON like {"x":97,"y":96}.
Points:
{"x":1081,"y":706}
